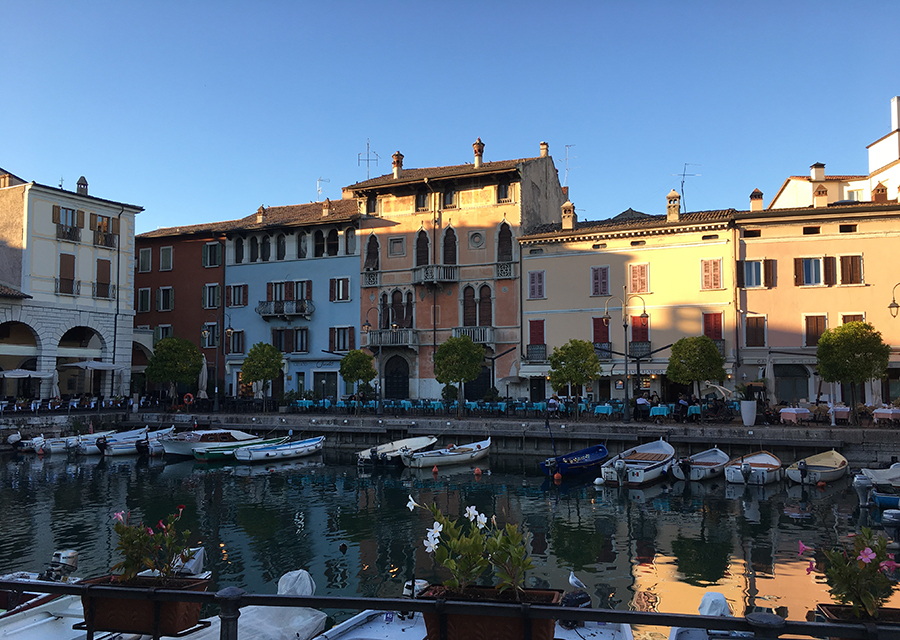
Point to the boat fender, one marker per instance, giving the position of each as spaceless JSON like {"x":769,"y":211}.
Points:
{"x":599,"y":481}
{"x":821,"y":484}
{"x":477,"y":471}
{"x":434,"y":470}
{"x":557,"y":476}
{"x":451,"y":446}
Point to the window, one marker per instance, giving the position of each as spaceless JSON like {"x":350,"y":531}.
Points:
{"x":210,"y":335}
{"x":815,"y":327}
{"x":536,"y":332}
{"x":449,"y":198}
{"x":421,"y":201}
{"x":811,"y":231}
{"x":753,"y":273}
{"x":714,"y":236}
{"x":212,"y":296}
{"x":165,"y":258}
{"x":302,"y":242}
{"x":280,"y":247}
{"x":422,"y":249}
{"x":755,"y":330}
{"x":814,"y":271}
{"x":852,"y":317}
{"x":163,"y":331}
{"x":639,"y":278}
{"x":503,"y":192}
{"x":238,"y":250}
{"x":854,"y":194}
{"x":105,"y":230}
{"x":712,"y":326}
{"x":851,"y":270}
{"x":752,"y":233}
{"x":711,"y":274}
{"x":165,"y":299}
{"x":371,"y":254}
{"x":339,"y":289}
{"x":640,"y":329}
{"x":303,"y":290}
{"x":67,"y":274}
{"x":301,"y":340}
{"x":103,"y":288}
{"x":396,"y":247}
{"x":275,"y":291}
{"x":470,"y":311}
{"x":254,"y":249}
{"x":319,"y":244}
{"x":143,"y":300}
{"x":485,"y":307}
{"x":67,"y":217}
{"x":236,"y":295}
{"x":535,"y":285}
{"x":333,"y":243}
{"x":265,"y":250}
{"x":278,"y":339}
{"x":144,"y":260}
{"x":237,"y":342}
{"x":212,"y":254}
{"x":350,"y":241}
{"x":341,"y":339}
{"x":848,"y":228}
{"x":600,"y":332}
{"x":599,"y":281}
{"x":371,"y":205}
{"x":450,"y":247}
{"x":504,"y":244}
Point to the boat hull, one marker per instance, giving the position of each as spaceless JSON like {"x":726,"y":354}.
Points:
{"x":765,"y":468}
{"x":448,"y":456}
{"x":184,"y":444}
{"x":284,"y":451}
{"x":703,"y":466}
{"x":577,"y":462}
{"x":644,"y":464}
{"x":824,"y":467}
{"x":226,"y":452}
{"x":389,"y":453}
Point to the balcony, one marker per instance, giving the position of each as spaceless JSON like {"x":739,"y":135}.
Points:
{"x":479,"y":335}
{"x":536,"y":352}
{"x":371,"y":279}
{"x":638,"y":349}
{"x":103,"y":290}
{"x":505,"y":270}
{"x":435,"y":274}
{"x":720,"y":344}
{"x":285,"y":308}
{"x":603,"y":350}
{"x":392,"y":338}
{"x":104,"y":239}
{"x":65,"y":232}
{"x":68,"y":287}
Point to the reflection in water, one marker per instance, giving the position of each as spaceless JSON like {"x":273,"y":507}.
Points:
{"x":655,"y":548}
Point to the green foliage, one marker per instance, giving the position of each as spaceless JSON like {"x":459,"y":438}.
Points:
{"x":262,"y":364}
{"x":852,"y":353}
{"x":858,"y":577}
{"x":458,"y":360}
{"x":449,"y":392}
{"x":694,"y":359}
{"x":174,"y":360}
{"x":290,"y":396}
{"x":491,"y":395}
{"x":574,"y":363}
{"x":508,"y":553}
{"x":356,"y":366}
{"x":142,"y":548}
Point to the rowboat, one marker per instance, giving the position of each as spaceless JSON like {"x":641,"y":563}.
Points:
{"x":390,"y":452}
{"x":183,"y":444}
{"x":97,"y":446}
{"x":639,"y":465}
{"x":579,"y":461}
{"x":451,"y":455}
{"x":759,"y":468}
{"x":822,"y":467}
{"x":701,"y":466}
{"x":281,"y":451}
{"x":885,"y":500}
{"x":61,"y":445}
{"x":226,"y":451}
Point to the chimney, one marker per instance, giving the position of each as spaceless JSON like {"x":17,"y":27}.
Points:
{"x":568,"y":216}
{"x":398,"y":164}
{"x":261,"y":214}
{"x":82,"y":186}
{"x":673,"y":206}
{"x":817,"y":172}
{"x":545,"y":149}
{"x":478,"y":146}
{"x":895,"y":113}
{"x":326,"y":208}
{"x":565,"y":191}
{"x":756,"y":200}
{"x":820,"y":196}
{"x":879,"y":193}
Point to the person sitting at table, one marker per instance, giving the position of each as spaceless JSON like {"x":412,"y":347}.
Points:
{"x":553,"y":406}
{"x":654,"y":400}
{"x":642,"y":407}
{"x":682,"y":408}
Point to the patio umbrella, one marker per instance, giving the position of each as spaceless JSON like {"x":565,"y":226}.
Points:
{"x":258,"y":390}
{"x":202,"y":381}
{"x":26,"y":373}
{"x":770,"y":380}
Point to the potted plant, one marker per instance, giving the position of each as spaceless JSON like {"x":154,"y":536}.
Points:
{"x":150,"y":559}
{"x":467,"y":549}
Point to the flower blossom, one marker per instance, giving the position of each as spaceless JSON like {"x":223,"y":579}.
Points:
{"x":119,"y":516}
{"x":412,"y":504}
{"x":471,"y":513}
{"x":482,"y":520}
{"x":803,"y":548}
{"x":811,"y":567}
{"x":430,"y":545}
{"x":866,"y":555}
{"x":150,"y":531}
{"x":888,"y":565}
{"x":435,"y":531}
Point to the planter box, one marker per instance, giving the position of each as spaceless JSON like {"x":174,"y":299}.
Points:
{"x":136,"y":615}
{"x":482,"y":627}
{"x":844,"y":613}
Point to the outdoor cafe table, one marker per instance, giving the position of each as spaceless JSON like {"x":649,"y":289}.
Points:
{"x":694,"y":410}
{"x":794,"y":414}
{"x":603,"y":410}
{"x":840,"y":413}
{"x":660,"y":410}
{"x":886,"y":413}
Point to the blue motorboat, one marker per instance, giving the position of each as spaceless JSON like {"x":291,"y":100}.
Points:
{"x":576,"y":462}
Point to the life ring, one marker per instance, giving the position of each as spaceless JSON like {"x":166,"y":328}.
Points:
{"x":188,"y":398}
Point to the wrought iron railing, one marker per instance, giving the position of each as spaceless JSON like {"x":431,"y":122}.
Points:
{"x":536,"y":352}
{"x":103,"y":290}
{"x":505,"y":270}
{"x":68,"y":287}
{"x":603,"y":350}
{"x":104,"y":239}
{"x":371,"y":278}
{"x":478,"y":335}
{"x":65,"y":232}
{"x":638,"y":348}
{"x":274,"y":308}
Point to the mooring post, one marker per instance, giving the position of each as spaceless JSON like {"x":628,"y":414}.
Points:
{"x":229,"y":600}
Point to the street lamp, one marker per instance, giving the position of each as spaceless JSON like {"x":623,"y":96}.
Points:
{"x":893,"y":307}
{"x":626,"y":417}
{"x":206,"y":333}
{"x":366,"y":329}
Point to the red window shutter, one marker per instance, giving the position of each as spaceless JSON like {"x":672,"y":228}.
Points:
{"x":309,"y":289}
{"x":828,"y":263}
{"x":288,"y":290}
{"x":536,"y":331}
{"x":712,"y":326}
{"x":351,"y":337}
{"x":331,"y":332}
{"x":798,"y":272}
{"x":331,"y":288}
{"x":601,"y":330}
{"x":269,"y":291}
{"x":228,"y":296}
{"x":289,"y":340}
{"x":769,"y":273}
{"x":739,"y":273}
{"x":640,"y":329}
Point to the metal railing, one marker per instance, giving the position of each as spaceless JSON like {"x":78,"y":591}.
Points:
{"x":638,"y":348}
{"x":603,"y":350}
{"x":65,"y":232}
{"x":105,"y":239}
{"x":432,"y":273}
{"x":103,"y":290}
{"x":269,"y":308}
{"x":505,"y":270}
{"x":720,"y":344}
{"x":536,"y":352}
{"x":230,"y":600}
{"x":478,"y":335}
{"x":68,"y":287}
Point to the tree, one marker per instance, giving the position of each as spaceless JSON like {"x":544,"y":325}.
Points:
{"x":262,"y":364}
{"x":574,"y":363}
{"x":851,"y":354}
{"x":357,"y":366}
{"x":695,"y":359}
{"x":176,"y":361}
{"x":458,"y":360}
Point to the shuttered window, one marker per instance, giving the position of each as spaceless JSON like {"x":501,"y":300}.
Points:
{"x":536,"y":332}
{"x":599,"y":281}
{"x":421,"y":249}
{"x":711,"y":271}
{"x":851,"y":270}
{"x":470,"y":310}
{"x":756,"y":331}
{"x":640,"y":329}
{"x":639,"y":278}
{"x":103,"y":279}
{"x":815,"y":327}
{"x":600,"y":331}
{"x":485,"y":307}
{"x":712,"y":326}
{"x":67,"y":273}
{"x":535,"y":285}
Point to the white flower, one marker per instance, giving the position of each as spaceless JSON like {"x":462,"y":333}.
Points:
{"x":412,"y":504}
{"x":435,"y":531}
{"x":494,"y":521}
{"x":482,"y":520}
{"x":430,"y":545}
{"x":471,"y":513}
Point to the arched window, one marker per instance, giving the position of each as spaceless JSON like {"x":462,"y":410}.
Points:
{"x":280,"y":247}
{"x":238,"y":250}
{"x":470,"y":310}
{"x":450,"y":247}
{"x":350,"y":241}
{"x":371,"y":254}
{"x":333,"y":242}
{"x":266,"y":248}
{"x":319,"y":245}
{"x":385,"y":312}
{"x":397,"y":308}
{"x":504,"y":244}
{"x":408,"y":316}
{"x":254,"y":249}
{"x":485,"y":309}
{"x":422,"y":249}
{"x":302,"y":240}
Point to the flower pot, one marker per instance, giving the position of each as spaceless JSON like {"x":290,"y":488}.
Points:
{"x":748,"y":412}
{"x":484,"y":627}
{"x":844,"y":613}
{"x":136,"y":615}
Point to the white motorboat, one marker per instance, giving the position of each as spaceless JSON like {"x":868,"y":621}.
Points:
{"x":760,"y":467}
{"x":68,"y":443}
{"x":390,"y":452}
{"x":449,"y":455}
{"x":183,"y":444}
{"x":639,"y":465}
{"x":283,"y":451}
{"x":701,"y":466}
{"x":822,"y":467}
{"x":95,"y":447}
{"x":151,"y":444}
{"x":713,"y":603}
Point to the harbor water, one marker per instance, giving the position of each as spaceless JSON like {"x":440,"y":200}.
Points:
{"x":654,"y":549}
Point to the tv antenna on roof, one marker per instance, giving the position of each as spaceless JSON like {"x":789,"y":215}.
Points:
{"x":684,"y":174}
{"x":368,"y":159}
{"x":319,"y":188}
{"x":60,"y":182}
{"x":566,"y":175}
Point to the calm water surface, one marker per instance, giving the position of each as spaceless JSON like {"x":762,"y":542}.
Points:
{"x":656,"y":549}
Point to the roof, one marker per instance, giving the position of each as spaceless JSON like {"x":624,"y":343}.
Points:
{"x":635,"y":220}
{"x":827,"y":178}
{"x":9,"y":292}
{"x":455,"y":171}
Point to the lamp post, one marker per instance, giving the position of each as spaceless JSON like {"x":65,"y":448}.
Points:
{"x":366,"y":329}
{"x":893,"y":307}
{"x":626,"y":417}
{"x":218,"y":344}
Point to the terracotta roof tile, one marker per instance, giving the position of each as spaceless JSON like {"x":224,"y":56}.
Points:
{"x":459,"y":170}
{"x":9,"y":292}
{"x":631,"y":219}
{"x":842,"y":178}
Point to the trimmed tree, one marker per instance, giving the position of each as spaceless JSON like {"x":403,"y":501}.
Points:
{"x":175,"y":361}
{"x":851,"y":354}
{"x":458,"y":360}
{"x":262,"y":364}
{"x":357,"y":366}
{"x":574,"y":363}
{"x":695,"y":359}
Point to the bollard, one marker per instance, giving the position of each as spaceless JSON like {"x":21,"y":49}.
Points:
{"x":229,"y":600}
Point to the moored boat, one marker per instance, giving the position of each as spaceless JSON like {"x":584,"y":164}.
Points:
{"x":575,"y":462}
{"x":639,"y":465}
{"x":822,"y":467}
{"x":281,"y":451}
{"x":760,"y":467}
{"x":449,"y":455}
{"x":389,"y":452}
{"x":68,"y":443}
{"x":226,"y":451}
{"x":151,"y":444}
{"x":701,"y":466}
{"x":96,"y":447}
{"x":183,"y":444}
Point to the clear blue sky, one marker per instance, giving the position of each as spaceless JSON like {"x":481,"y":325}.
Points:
{"x":203,"y":111}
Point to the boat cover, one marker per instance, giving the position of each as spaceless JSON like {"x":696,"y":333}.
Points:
{"x":883,"y":476}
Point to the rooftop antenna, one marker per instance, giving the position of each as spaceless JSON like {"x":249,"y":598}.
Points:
{"x":60,"y":182}
{"x":684,"y":174}
{"x":319,"y":188}
{"x":368,"y":159}
{"x":566,"y":176}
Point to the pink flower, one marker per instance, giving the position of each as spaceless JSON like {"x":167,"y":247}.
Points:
{"x":162,"y":526}
{"x":150,"y":531}
{"x":119,"y":516}
{"x":888,"y":566}
{"x":866,"y":555}
{"x":811,"y":567}
{"x":803,"y":548}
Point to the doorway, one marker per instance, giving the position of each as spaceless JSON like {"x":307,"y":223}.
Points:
{"x":396,"y":379}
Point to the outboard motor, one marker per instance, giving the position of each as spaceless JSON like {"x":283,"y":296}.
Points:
{"x":890,"y":520}
{"x":420,"y":586}
{"x":804,"y":471}
{"x":863,"y":487}
{"x":685,"y":465}
{"x":621,"y":471}
{"x":61,"y":566}
{"x":580,"y":600}
{"x":746,"y":472}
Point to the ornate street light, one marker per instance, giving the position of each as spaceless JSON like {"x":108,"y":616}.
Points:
{"x":626,"y":412}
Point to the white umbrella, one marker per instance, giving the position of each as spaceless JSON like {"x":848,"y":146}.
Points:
{"x":258,"y":390}
{"x":202,"y":381}
{"x":93,"y":365}
{"x":26,"y":373}
{"x":54,"y":385}
{"x":770,"y":379}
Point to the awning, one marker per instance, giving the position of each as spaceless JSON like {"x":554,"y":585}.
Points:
{"x":97,"y":366}
{"x":534,"y":370}
{"x":25,"y":373}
